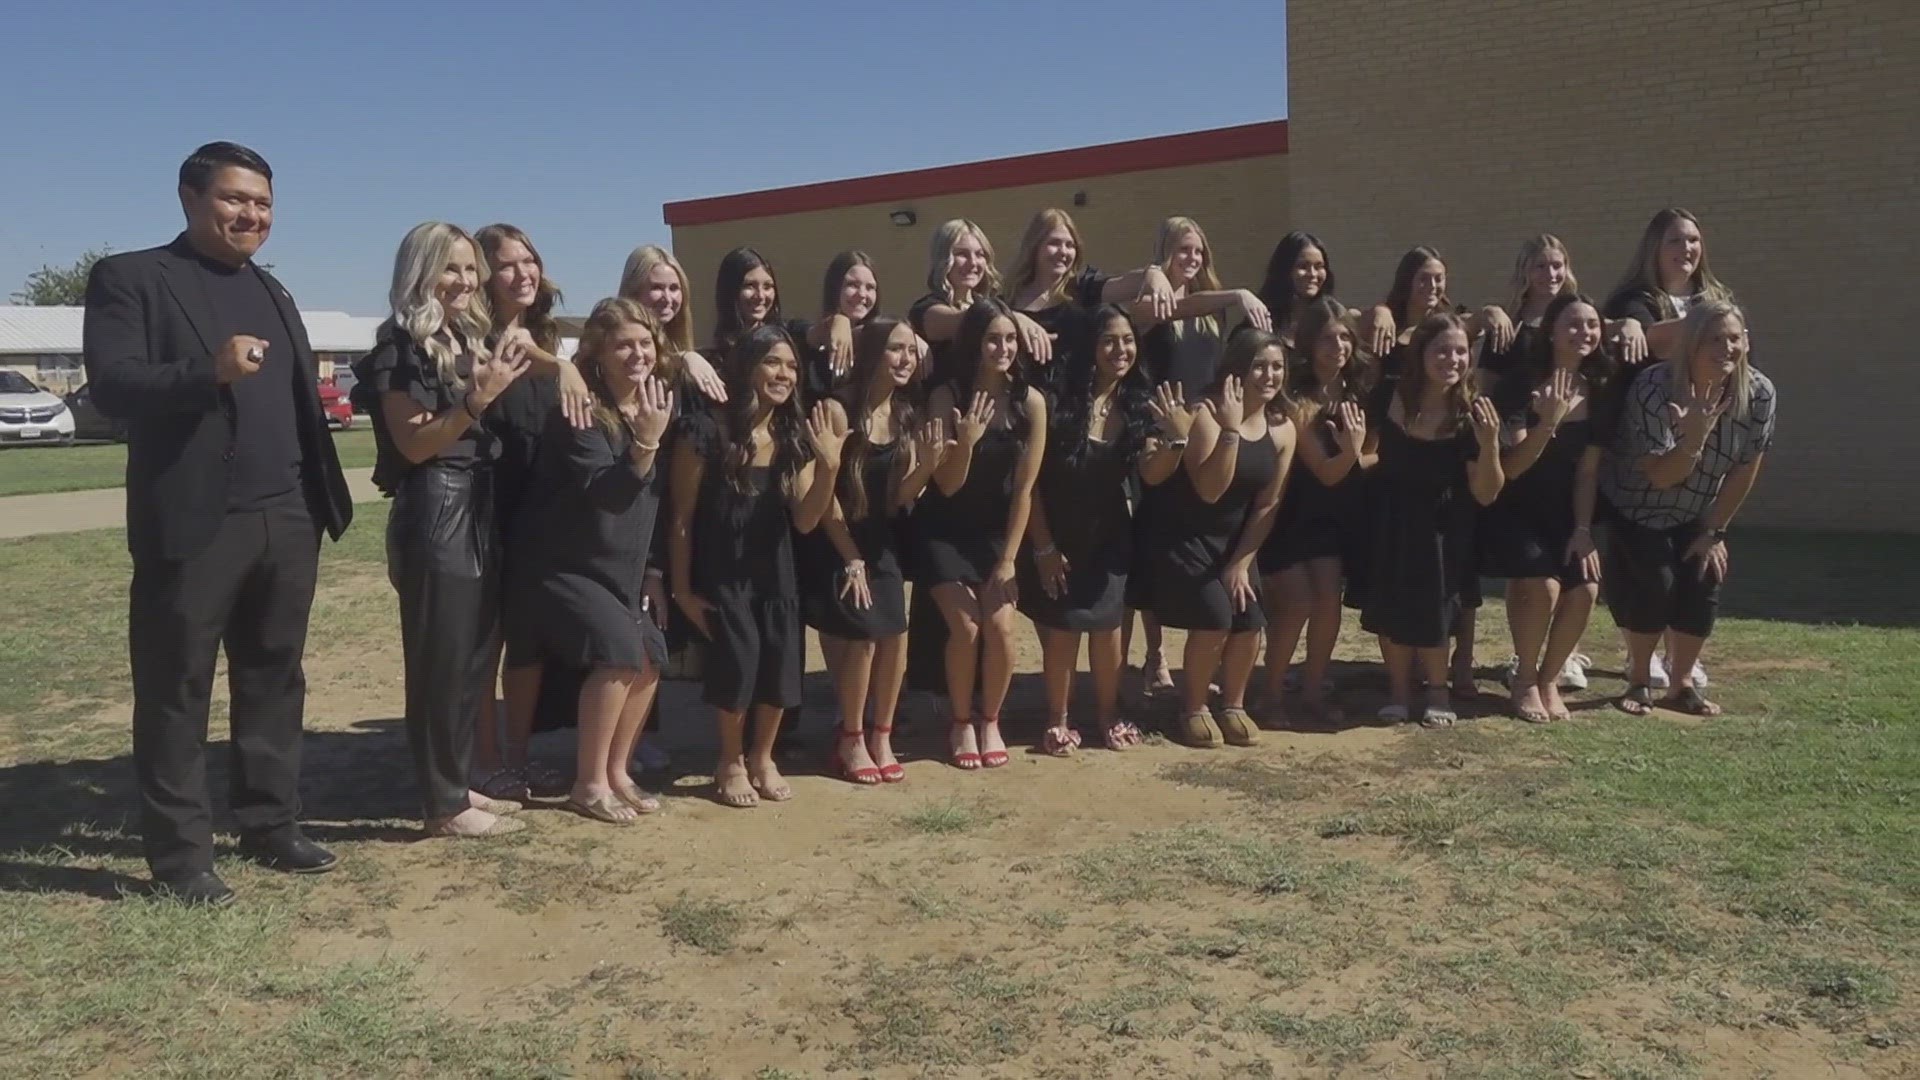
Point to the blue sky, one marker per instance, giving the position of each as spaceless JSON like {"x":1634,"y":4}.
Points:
{"x":574,"y":119}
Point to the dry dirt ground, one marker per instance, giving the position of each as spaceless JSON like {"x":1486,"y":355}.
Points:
{"x":1370,"y":902}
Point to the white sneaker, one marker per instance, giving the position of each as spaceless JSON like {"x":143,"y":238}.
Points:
{"x":1573,"y":673}
{"x":1658,"y":677}
{"x":1699,"y":675}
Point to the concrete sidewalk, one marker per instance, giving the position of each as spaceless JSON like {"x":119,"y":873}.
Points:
{"x":106,"y":508}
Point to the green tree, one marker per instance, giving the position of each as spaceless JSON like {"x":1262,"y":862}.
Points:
{"x":52,"y":286}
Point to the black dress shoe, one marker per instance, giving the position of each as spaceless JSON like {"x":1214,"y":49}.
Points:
{"x":197,"y":888}
{"x":289,"y":851}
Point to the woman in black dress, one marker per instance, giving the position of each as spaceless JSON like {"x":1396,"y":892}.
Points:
{"x":1184,"y":349}
{"x":1209,"y":525}
{"x":967,"y":529}
{"x":576,"y":595}
{"x":1052,"y":284}
{"x":1081,"y":532}
{"x":853,"y":591}
{"x":1439,"y":454}
{"x":430,"y":382}
{"x":849,"y":296}
{"x":744,"y":479}
{"x":523,"y":299}
{"x":1539,"y":533}
{"x":1309,"y":548}
{"x":746,"y":296}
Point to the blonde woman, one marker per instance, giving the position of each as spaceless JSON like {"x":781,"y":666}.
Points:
{"x":960,"y":270}
{"x":656,"y":279}
{"x":576,"y":596}
{"x":1669,"y":274}
{"x":1052,"y":283}
{"x":1687,"y":449}
{"x":1183,"y":348}
{"x":431,"y":380}
{"x":1542,"y":273}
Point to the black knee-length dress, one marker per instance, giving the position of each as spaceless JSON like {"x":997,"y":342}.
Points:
{"x":1192,"y":540}
{"x":1524,"y":534}
{"x":1088,"y":493}
{"x":875,"y":535}
{"x":1313,"y":521}
{"x":961,"y":537}
{"x":743,"y":567}
{"x":574,"y":596}
{"x":1421,"y":513}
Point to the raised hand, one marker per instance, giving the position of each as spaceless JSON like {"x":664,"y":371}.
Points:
{"x":1169,"y":407}
{"x":652,"y":411}
{"x":930,"y":443}
{"x":493,"y":375}
{"x":1378,"y":330}
{"x":1038,"y":342}
{"x":972,"y":427}
{"x":576,"y":401}
{"x":1695,"y":421}
{"x":1632,"y":338}
{"x":1158,"y":292}
{"x":703,"y":376}
{"x":1486,"y":424}
{"x":840,"y":344}
{"x":1557,"y":397}
{"x":1231,"y":409}
{"x":827,"y":433}
{"x":1499,"y":326}
{"x":1352,"y":428}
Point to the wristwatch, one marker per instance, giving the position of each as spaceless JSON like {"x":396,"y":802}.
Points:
{"x":1718,"y":534}
{"x":1176,"y":444}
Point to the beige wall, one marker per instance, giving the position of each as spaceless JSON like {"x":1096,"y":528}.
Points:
{"x":1242,"y":205}
{"x":1791,"y":127}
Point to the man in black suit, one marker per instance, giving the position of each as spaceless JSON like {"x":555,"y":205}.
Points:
{"x":231,"y":476}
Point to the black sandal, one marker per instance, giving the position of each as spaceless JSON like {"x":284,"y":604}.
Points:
{"x":1637,"y":701}
{"x":1689,"y":700}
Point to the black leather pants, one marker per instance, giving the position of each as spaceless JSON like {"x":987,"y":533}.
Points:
{"x":440,"y":559}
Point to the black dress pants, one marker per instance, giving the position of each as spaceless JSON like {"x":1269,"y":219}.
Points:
{"x":250,"y":591}
{"x":440,"y":559}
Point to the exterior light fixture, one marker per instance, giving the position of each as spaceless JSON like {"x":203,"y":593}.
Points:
{"x":903,"y":218}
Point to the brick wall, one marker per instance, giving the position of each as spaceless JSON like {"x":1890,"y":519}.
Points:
{"x":1791,"y":127}
{"x":1242,"y":205}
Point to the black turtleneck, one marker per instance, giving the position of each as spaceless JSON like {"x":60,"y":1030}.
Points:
{"x":265,"y":467}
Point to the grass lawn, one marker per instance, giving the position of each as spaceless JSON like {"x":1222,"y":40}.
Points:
{"x":31,"y":470}
{"x":1607,"y":897}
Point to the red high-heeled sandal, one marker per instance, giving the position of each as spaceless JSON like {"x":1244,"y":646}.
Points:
{"x":992,"y":759}
{"x":965,"y":759}
{"x":866,"y":776}
{"x":893,"y":773}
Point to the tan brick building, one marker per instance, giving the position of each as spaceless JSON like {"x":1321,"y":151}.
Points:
{"x":1791,"y":127}
{"x":1231,"y":180}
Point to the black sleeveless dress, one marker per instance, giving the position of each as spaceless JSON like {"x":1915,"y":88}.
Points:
{"x":822,"y":606}
{"x":1192,"y":540}
{"x":1088,"y":497}
{"x":961,"y":537}
{"x":1420,"y":564}
{"x":743,"y":566}
{"x":1313,"y":521}
{"x":1524,"y":534}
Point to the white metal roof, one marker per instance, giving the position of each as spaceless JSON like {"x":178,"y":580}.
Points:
{"x":36,"y":330}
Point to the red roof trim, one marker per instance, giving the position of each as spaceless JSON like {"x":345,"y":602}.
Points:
{"x":1136,"y":155}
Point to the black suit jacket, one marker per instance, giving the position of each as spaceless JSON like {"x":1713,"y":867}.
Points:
{"x":149,"y":342}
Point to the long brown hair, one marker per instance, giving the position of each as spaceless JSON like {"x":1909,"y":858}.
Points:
{"x":1038,"y":228}
{"x":1643,"y":274}
{"x":1237,"y":361}
{"x":607,"y":318}
{"x":1413,"y":376}
{"x":633,"y":278}
{"x":538,"y":319}
{"x":1356,"y":377}
{"x":1402,"y":291}
{"x":869,"y":363}
{"x":836,"y":278}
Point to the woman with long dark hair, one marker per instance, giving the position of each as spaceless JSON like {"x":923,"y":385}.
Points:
{"x":854,"y":593}
{"x":744,"y":479}
{"x":746,"y":296}
{"x":1419,"y":290}
{"x":1539,"y":533}
{"x":1692,"y":434}
{"x":849,"y":296}
{"x":1299,"y":272}
{"x":430,"y":382}
{"x":1074,"y":582}
{"x":1310,"y":546}
{"x":968,"y":528}
{"x":1208,"y":527}
{"x":1438,"y":444}
{"x":576,"y":594}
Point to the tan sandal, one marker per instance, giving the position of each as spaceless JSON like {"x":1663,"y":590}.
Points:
{"x":1237,"y":727}
{"x":607,"y":808}
{"x":502,"y":826}
{"x":641,"y":802}
{"x":1197,"y":730}
{"x":496,"y":807}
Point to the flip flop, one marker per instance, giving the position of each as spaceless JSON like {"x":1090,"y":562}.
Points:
{"x":1689,"y":700}
{"x":1637,"y":701}
{"x":739,"y":800}
{"x":606,"y":808}
{"x":772,"y":794}
{"x":641,"y":802}
{"x":1437,"y":717}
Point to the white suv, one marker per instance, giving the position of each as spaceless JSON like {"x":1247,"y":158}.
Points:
{"x":29,"y":414}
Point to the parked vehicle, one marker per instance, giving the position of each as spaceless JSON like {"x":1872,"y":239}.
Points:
{"x":334,"y":403}
{"x":89,"y":422}
{"x":29,"y":414}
